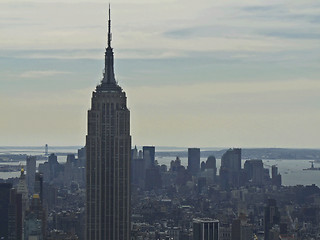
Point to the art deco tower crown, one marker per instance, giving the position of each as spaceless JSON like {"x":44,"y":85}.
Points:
{"x":108,"y":81}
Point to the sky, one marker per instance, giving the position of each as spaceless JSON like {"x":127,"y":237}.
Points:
{"x":196,"y":73}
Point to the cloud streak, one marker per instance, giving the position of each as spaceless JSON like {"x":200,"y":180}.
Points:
{"x":42,"y":74}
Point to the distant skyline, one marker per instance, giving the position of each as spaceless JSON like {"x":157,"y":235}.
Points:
{"x":197,"y":74}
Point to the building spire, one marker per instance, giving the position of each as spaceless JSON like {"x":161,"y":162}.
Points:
{"x":108,"y":75}
{"x":109,"y":28}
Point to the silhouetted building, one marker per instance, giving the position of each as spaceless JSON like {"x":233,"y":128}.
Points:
{"x":255,"y":171}
{"x":82,"y":157}
{"x":211,"y":163}
{"x":4,"y":209}
{"x":230,"y":168}
{"x":15,"y":216}
{"x":152,"y":178}
{"x":71,"y":158}
{"x":148,"y":156}
{"x":175,"y":165}
{"x":276,"y":177}
{"x":44,"y":169}
{"x":231,"y":159}
{"x":134,"y":153}
{"x":205,"y":229}
{"x":194,"y":160}
{"x":54,"y":166}
{"x":138,"y":172}
{"x":31,"y":171}
{"x":38,"y":185}
{"x":210,"y":172}
{"x":70,"y":169}
{"x":22,"y":188}
{"x":271,"y":217}
{"x":203,"y":166}
{"x":108,"y":147}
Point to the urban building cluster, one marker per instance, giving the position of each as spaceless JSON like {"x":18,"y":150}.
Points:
{"x":245,"y":203}
{"x":197,"y":201}
{"x":45,"y":204}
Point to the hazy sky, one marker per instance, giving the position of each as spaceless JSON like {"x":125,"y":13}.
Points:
{"x":197,"y":73}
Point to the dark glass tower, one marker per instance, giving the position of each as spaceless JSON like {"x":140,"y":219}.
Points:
{"x":4,"y":209}
{"x":194,"y":160}
{"x":108,"y":146}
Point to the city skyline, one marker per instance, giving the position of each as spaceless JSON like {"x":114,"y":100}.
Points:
{"x":196,"y":74}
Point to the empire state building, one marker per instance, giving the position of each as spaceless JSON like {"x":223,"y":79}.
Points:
{"x":108,"y":146}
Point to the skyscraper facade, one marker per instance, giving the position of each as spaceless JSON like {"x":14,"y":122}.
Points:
{"x":255,"y":171}
{"x":31,"y":172}
{"x":194,"y":160}
{"x":4,"y":209}
{"x":108,"y":148}
{"x":231,"y":159}
{"x":15,"y":216}
{"x":271,"y":217}
{"x":149,"y":156}
{"x":230,"y":168}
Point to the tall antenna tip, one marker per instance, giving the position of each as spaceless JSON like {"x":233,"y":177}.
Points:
{"x":109,"y":28}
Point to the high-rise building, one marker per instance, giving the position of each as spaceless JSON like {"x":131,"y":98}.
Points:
{"x":31,"y":172}
{"x":82,"y":157}
{"x":231,"y":159}
{"x":210,"y":172}
{"x":138,"y":172}
{"x":230,"y":168}
{"x":276,"y":177}
{"x":15,"y":216}
{"x":22,"y":188}
{"x":149,"y":156}
{"x":255,"y":171}
{"x":194,"y":160}
{"x":271,"y":217}
{"x":134,"y":153}
{"x":152,"y":177}
{"x":205,"y":229}
{"x":54,"y":166}
{"x":4,"y":209}
{"x":38,"y":185}
{"x":108,"y":148}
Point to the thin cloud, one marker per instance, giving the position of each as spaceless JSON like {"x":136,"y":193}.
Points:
{"x":42,"y":74}
{"x":295,"y":12}
{"x":292,"y":34}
